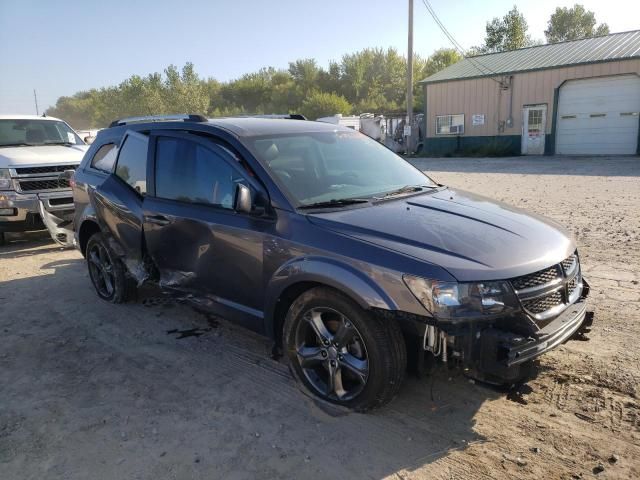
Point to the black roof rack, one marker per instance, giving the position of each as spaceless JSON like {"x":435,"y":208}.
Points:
{"x":159,"y":118}
{"x":286,"y":116}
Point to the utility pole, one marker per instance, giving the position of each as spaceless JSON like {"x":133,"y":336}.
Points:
{"x":409,"y":123}
{"x":35,"y":98}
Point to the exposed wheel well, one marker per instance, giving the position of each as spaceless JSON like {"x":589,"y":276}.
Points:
{"x":87,"y":229}
{"x":284,"y":302}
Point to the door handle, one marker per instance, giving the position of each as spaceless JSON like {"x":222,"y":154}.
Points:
{"x":157,"y":219}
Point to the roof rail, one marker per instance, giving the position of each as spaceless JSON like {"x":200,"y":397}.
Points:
{"x":288,"y":116}
{"x":160,"y":118}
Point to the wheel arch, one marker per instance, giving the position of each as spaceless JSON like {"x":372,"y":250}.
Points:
{"x":88,"y":228}
{"x":302,"y":274}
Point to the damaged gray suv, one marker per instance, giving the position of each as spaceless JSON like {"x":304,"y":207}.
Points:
{"x":356,"y":264}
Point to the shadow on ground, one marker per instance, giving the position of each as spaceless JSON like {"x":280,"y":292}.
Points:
{"x":94,"y":390}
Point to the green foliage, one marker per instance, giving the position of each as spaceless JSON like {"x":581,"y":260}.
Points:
{"x":371,"y":80}
{"x":322,"y":104}
{"x":440,"y":59}
{"x":573,"y":24}
{"x":507,"y":33}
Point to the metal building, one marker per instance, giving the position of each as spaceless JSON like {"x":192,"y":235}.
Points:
{"x":579,"y":97}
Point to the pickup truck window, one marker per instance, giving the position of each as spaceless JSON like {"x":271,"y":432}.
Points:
{"x":105,"y":158}
{"x":132,"y":162}
{"x":188,"y":172}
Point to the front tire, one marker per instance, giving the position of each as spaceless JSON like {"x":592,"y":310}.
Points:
{"x":341,"y":353}
{"x":107,"y":272}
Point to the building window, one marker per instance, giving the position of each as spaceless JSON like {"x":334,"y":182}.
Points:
{"x":450,"y":124}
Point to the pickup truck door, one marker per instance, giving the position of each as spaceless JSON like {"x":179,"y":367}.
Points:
{"x":196,"y":239}
{"x":118,"y":200}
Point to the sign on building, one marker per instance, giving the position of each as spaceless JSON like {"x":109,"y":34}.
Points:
{"x":477,"y":119}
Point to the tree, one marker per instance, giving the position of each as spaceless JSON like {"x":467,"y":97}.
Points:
{"x":322,"y":104}
{"x":439,"y":60}
{"x":507,"y":33}
{"x":573,"y":24}
{"x":370,"y":80}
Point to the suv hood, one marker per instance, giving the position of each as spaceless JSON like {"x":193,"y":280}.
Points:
{"x":473,"y":237}
{"x":52,"y":154}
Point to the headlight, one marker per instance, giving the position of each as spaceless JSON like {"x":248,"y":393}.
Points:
{"x":5,"y":179}
{"x":452,"y":300}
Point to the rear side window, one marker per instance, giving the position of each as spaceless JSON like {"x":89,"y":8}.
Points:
{"x":105,"y":158}
{"x":132,"y":162}
{"x":188,"y":172}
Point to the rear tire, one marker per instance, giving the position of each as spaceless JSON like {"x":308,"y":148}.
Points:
{"x":107,"y":272}
{"x":341,"y":353}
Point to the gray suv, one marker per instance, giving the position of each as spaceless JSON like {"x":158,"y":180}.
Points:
{"x":354,"y":262}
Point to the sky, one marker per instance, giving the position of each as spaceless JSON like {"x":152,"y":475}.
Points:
{"x":65,"y":46}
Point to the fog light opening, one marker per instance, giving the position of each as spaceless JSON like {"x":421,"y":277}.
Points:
{"x":8,"y":212}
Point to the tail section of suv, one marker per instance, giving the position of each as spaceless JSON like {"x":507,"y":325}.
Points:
{"x":35,"y":153}
{"x":354,"y":262}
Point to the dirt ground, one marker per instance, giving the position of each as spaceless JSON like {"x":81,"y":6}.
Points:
{"x":92,"y":390}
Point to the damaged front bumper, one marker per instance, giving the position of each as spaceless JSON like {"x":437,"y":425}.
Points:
{"x":496,"y":351}
{"x":37,"y":211}
{"x":58,"y":218}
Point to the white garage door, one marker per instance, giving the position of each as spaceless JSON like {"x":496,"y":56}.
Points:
{"x":599,"y":116}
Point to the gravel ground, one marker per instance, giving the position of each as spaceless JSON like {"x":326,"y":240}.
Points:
{"x":91,"y":390}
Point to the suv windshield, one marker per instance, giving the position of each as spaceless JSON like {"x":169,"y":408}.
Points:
{"x":336,"y":166}
{"x":19,"y":132}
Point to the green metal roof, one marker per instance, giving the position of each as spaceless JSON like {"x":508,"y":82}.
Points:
{"x":617,"y":46}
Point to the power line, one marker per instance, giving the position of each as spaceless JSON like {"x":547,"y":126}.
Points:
{"x":477,"y":65}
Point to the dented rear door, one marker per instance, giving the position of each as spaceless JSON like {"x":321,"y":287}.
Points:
{"x":118,"y":200}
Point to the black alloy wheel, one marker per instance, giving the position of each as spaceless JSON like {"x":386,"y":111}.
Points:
{"x":107,"y":272}
{"x":332,"y":354}
{"x":101,"y":270}
{"x":341,"y":352}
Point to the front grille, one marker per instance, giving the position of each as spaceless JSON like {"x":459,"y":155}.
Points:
{"x":542,"y":304}
{"x":541,"y":291}
{"x":567,"y":264}
{"x":44,"y":170}
{"x":38,"y":185}
{"x":571,"y":286}
{"x":535,"y":279}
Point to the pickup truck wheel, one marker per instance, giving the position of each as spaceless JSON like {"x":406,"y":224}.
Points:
{"x":106,"y":271}
{"x":341,"y":353}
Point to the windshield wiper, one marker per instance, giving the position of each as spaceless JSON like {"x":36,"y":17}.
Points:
{"x":335,"y":203}
{"x":406,"y":189}
{"x":59,"y":143}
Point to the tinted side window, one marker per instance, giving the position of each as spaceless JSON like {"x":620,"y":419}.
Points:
{"x":105,"y":158}
{"x":188,"y":172}
{"x":132,"y":162}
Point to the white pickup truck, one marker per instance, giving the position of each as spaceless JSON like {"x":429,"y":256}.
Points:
{"x":36,"y":157}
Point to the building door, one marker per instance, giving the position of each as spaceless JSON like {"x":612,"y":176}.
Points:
{"x":599,"y":116}
{"x":534,"y":121}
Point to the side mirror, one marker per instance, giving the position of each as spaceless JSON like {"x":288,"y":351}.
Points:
{"x":242,"y":201}
{"x":89,"y":140}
